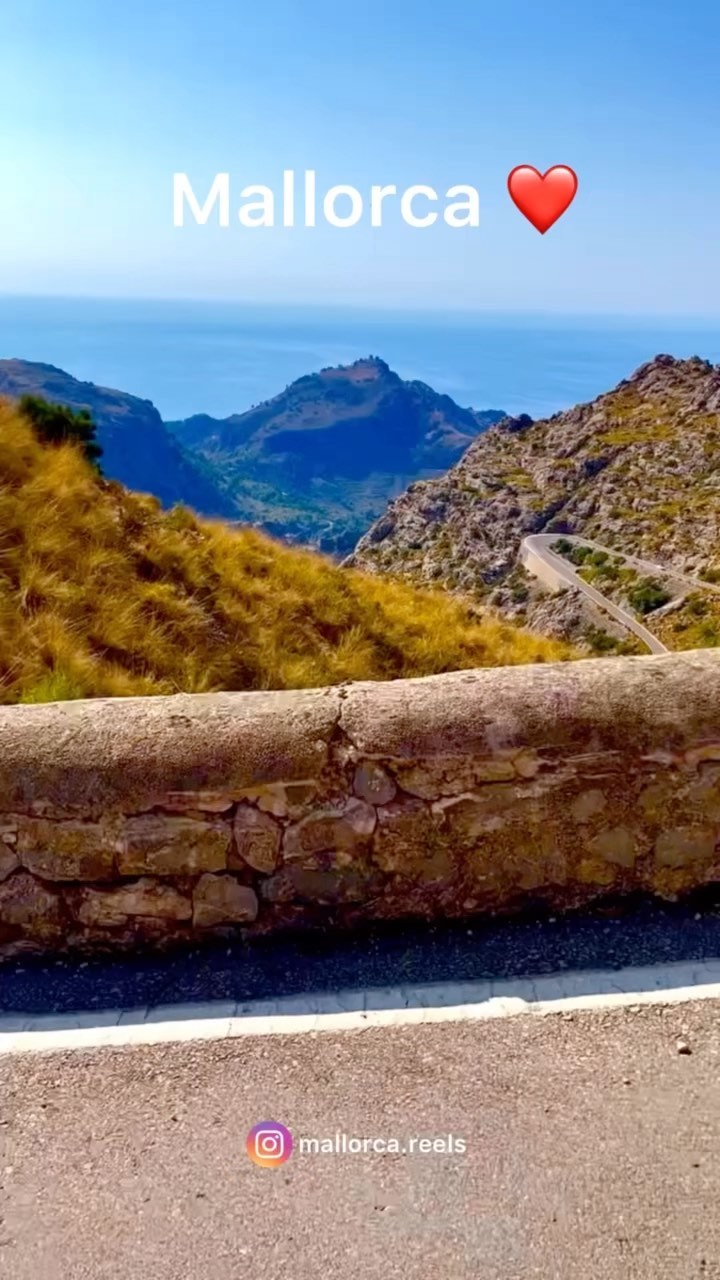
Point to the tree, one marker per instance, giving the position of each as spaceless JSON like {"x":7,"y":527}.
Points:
{"x":56,"y":423}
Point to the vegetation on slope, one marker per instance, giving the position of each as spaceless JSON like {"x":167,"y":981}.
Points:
{"x":137,"y":449}
{"x":103,"y":593}
{"x":695,"y":624}
{"x":681,"y":618}
{"x":55,"y":423}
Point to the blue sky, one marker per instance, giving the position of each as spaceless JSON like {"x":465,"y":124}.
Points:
{"x":101,"y":103}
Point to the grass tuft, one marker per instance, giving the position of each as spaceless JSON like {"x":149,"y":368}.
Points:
{"x":104,"y":594}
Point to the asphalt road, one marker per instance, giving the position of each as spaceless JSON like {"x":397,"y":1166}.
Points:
{"x":613,"y":935}
{"x":592,"y":1150}
{"x":540,"y":545}
{"x":649,"y":567}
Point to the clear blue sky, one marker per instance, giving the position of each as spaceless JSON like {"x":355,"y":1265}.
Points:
{"x":101,"y":102}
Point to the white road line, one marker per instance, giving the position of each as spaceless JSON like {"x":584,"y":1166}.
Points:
{"x":359,"y":1011}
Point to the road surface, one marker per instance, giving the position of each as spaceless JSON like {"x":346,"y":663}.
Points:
{"x":650,"y":567}
{"x":404,"y":954}
{"x":537,"y":556}
{"x":592,"y":1149}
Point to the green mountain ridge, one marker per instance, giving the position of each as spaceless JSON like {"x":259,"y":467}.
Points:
{"x":318,"y":462}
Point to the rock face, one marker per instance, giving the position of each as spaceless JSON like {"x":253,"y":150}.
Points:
{"x":154,"y":820}
{"x":637,"y":470}
{"x":137,"y":448}
{"x":319,"y":461}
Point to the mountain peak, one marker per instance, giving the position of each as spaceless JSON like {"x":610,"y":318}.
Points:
{"x":668,"y":373}
{"x":365,"y":366}
{"x":328,"y":452}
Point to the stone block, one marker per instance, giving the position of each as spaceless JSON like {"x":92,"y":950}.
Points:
{"x":257,"y":840}
{"x":67,"y":849}
{"x":221,"y":900}
{"x":409,"y":842}
{"x":330,"y":831}
{"x":30,"y":905}
{"x":172,"y":846}
{"x":9,"y":862}
{"x":617,"y":845}
{"x":373,"y":784}
{"x":112,"y":908}
{"x":678,"y":847}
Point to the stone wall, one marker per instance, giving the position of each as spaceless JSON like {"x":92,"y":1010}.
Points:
{"x":146,"y":819}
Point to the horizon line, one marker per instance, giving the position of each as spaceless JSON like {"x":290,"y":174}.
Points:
{"x":382,"y":307}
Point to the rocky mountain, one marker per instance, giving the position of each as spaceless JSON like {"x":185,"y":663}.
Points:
{"x":319,"y":462}
{"x":137,"y":448}
{"x":637,"y":469}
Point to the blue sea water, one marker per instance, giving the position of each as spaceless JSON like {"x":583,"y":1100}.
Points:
{"x":221,"y":357}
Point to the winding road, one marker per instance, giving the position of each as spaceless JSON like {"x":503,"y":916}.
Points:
{"x":555,"y":572}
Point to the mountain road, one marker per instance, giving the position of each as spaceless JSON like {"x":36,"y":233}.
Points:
{"x":555,"y":572}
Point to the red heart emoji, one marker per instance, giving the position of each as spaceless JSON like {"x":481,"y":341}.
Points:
{"x":542,"y":197}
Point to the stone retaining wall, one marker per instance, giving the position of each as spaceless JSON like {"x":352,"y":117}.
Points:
{"x":146,"y":819}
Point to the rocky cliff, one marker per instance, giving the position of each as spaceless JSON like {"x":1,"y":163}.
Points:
{"x":637,"y":469}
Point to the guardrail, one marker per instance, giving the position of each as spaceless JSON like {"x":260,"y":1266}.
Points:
{"x":147,"y":820}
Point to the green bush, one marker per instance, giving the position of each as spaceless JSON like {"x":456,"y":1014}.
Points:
{"x":611,"y":572}
{"x":697,"y":606}
{"x":648,"y":594}
{"x":579,"y":555}
{"x":710,"y":634}
{"x":600,"y":641}
{"x":56,"y":424}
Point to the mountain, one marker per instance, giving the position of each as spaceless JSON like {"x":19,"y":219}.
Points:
{"x":102,"y":593}
{"x":318,"y":462}
{"x":137,"y":448}
{"x":637,"y":470}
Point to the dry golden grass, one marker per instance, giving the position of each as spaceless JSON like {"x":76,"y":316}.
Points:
{"x":104,"y":594}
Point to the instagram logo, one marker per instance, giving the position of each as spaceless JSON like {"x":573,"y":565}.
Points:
{"x":269,"y":1144}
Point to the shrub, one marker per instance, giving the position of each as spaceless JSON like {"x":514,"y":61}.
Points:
{"x":647,"y":594}
{"x":562,"y":547}
{"x":57,"y":424}
{"x":579,"y":555}
{"x":600,"y":641}
{"x":697,"y":606}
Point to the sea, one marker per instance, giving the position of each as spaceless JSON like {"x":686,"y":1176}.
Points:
{"x":223,"y":357}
